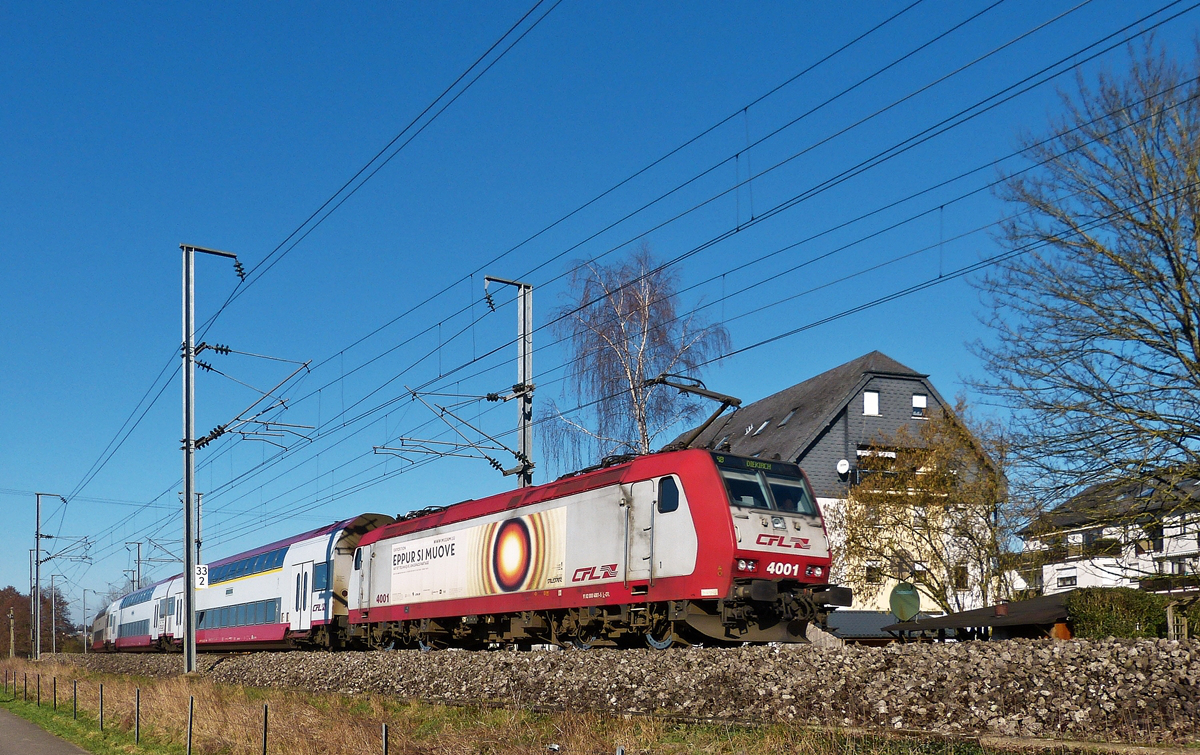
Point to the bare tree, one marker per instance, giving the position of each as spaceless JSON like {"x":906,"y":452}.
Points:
{"x":1096,"y":315}
{"x":930,"y":507}
{"x":624,"y":324}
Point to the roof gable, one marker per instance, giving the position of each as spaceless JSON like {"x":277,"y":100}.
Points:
{"x":816,"y":403}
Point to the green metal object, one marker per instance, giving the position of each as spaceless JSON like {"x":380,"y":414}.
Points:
{"x":905,"y":601}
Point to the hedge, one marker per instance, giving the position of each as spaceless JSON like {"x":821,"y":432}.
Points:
{"x":1099,"y":612}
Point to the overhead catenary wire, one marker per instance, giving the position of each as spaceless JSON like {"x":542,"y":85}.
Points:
{"x":122,"y":435}
{"x":104,"y":459}
{"x":958,"y":273}
{"x":976,"y":190}
{"x":954,"y":274}
{"x":875,"y":302}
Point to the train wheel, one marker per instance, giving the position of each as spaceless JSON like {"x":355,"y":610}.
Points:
{"x":584,"y":640}
{"x":662,"y":639}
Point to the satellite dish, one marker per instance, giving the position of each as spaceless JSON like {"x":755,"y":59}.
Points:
{"x":905,"y":601}
{"x":843,"y":467}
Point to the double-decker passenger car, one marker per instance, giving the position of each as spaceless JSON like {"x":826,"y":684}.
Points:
{"x":290,"y":593}
{"x":686,"y":545}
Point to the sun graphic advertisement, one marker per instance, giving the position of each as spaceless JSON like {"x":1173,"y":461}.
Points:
{"x":514,"y":554}
{"x":523,"y":553}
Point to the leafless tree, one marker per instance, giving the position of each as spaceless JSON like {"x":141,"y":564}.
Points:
{"x":1096,"y":315}
{"x":624,"y":324}
{"x":930,"y":507}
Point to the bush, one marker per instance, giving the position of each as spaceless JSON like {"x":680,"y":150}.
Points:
{"x":1098,"y":612}
{"x":1193,"y":616}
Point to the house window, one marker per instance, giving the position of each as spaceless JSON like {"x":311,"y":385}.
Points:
{"x":788,"y":416}
{"x":762,"y":427}
{"x":962,"y":578}
{"x":874,"y":574}
{"x":919,"y":403}
{"x":1180,"y":566}
{"x":920,"y":573}
{"x":871,"y":403}
{"x":1153,"y":537}
{"x":920,"y":517}
{"x":1067,"y":581}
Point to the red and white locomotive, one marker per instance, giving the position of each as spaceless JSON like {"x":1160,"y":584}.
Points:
{"x":677,"y":546}
{"x":685,"y":545}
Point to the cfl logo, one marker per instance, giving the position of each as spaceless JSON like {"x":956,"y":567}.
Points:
{"x":780,"y":541}
{"x":593,"y":573}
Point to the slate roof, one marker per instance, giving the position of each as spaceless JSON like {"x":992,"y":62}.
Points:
{"x":817,"y":402}
{"x":1113,"y":501}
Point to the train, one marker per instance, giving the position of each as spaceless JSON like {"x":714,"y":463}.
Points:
{"x":678,"y":547}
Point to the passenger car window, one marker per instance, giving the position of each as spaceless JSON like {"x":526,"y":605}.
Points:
{"x":321,"y":576}
{"x":668,"y":495}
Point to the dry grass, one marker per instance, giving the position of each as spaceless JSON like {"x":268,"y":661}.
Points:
{"x":228,"y":721}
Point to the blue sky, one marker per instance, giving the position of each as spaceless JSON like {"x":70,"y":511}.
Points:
{"x":130,"y":128}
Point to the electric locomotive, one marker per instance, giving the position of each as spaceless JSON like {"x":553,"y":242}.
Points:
{"x":683,"y":546}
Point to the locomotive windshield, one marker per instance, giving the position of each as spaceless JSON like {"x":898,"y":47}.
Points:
{"x":765,"y":485}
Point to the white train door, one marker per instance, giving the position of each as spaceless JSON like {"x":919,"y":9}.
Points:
{"x":301,"y":596}
{"x":640,"y":531}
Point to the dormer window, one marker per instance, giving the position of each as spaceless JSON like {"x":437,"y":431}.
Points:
{"x":784,"y":421}
{"x":871,"y":403}
{"x":762,"y":427}
{"x":920,"y":403}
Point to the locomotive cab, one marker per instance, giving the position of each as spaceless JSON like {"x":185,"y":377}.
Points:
{"x":778,"y":528}
{"x":780,"y":560}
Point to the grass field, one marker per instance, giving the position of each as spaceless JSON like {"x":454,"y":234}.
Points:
{"x":229,"y":720}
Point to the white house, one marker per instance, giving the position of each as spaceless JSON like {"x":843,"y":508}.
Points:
{"x":1120,"y":535}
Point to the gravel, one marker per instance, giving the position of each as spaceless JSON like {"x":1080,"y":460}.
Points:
{"x":1111,"y":690}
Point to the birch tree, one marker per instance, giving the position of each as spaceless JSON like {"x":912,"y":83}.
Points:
{"x":623,"y":324}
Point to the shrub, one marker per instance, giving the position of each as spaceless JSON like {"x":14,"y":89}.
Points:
{"x":1193,"y":616}
{"x":1098,"y":612}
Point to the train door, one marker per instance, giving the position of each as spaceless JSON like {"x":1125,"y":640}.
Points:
{"x":675,"y":543}
{"x":302,"y":596}
{"x":640,"y":531}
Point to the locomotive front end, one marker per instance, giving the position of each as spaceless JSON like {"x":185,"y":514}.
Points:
{"x":781,"y":558}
